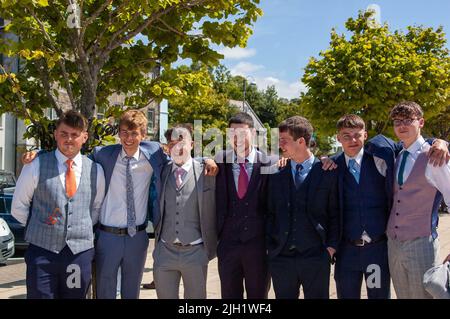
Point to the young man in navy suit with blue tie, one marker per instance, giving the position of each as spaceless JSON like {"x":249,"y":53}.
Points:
{"x":364,"y":204}
{"x":303,"y":227}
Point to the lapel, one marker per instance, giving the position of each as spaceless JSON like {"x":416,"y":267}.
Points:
{"x":255,"y":177}
{"x":165,"y":178}
{"x":199,"y":183}
{"x":342,"y":167}
{"x":285,"y":176}
{"x":314,"y":179}
{"x":110,"y":162}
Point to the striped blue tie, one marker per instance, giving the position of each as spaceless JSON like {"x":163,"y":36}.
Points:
{"x":353,"y":167}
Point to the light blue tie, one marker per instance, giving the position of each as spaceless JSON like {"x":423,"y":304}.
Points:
{"x":353,"y":167}
{"x":131,"y":214}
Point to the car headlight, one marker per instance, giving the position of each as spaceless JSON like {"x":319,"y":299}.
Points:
{"x":4,"y":228}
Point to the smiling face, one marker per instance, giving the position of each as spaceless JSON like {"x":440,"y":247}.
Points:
{"x":408,"y":129}
{"x":241,"y":136}
{"x":352,"y":140}
{"x":69,"y":139}
{"x":180,"y":145}
{"x":130,"y":139}
{"x":291,"y":148}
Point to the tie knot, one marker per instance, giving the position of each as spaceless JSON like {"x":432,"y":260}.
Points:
{"x":298,"y":167}
{"x":179,"y":171}
{"x":405,"y":153}
{"x":69,"y":163}
{"x":352,"y":163}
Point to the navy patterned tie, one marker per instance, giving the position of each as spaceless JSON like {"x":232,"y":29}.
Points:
{"x":298,"y":176}
{"x":354,"y":169}
{"x":131,"y":214}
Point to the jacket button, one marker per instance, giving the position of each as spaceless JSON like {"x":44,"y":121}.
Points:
{"x":286,"y":233}
{"x":398,"y":201}
{"x":245,"y":228}
{"x":396,"y":226}
{"x":246,"y":204}
{"x":396,"y":214}
{"x":246,"y":216}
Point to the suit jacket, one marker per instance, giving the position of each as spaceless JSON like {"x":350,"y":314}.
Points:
{"x":225,"y":182}
{"x":205,"y":188}
{"x":107,"y":157}
{"x":322,"y":207}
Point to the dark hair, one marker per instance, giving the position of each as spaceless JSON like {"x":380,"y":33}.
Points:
{"x":350,"y":121}
{"x":241,"y":118}
{"x":73,"y":119}
{"x":297,"y":127}
{"x":169,"y":132}
{"x":406,"y":109}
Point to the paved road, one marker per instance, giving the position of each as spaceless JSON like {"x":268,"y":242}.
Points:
{"x":12,"y":276}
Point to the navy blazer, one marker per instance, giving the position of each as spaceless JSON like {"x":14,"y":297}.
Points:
{"x":322,"y":207}
{"x":106,"y":156}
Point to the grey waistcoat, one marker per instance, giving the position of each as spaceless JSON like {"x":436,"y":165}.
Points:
{"x":56,"y":220}
{"x":186,"y":224}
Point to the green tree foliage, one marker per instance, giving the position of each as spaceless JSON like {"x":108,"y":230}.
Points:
{"x":113,"y":49}
{"x":370,"y":71}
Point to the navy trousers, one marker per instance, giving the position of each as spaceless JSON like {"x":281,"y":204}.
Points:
{"x":355,"y":263}
{"x":240,"y":263}
{"x":310,"y":270}
{"x":114,"y":251}
{"x":57,"y":276}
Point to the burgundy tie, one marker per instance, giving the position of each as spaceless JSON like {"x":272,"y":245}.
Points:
{"x":242,"y":181}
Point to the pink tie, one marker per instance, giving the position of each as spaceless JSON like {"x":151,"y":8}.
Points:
{"x":242,"y":181}
{"x":178,"y":173}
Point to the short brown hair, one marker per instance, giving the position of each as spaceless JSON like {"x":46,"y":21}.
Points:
{"x":133,"y":119}
{"x":241,"y":118}
{"x":350,"y":121}
{"x":297,"y":127}
{"x":407,"y":109}
{"x":73,"y":119}
{"x":169,"y":132}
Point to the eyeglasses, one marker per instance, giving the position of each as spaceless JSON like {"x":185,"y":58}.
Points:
{"x":404,"y":122}
{"x":348,"y":137}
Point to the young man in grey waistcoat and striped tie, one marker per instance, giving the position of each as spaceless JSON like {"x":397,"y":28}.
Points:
{"x":58,"y":197}
{"x":419,"y":187}
{"x":185,"y":236}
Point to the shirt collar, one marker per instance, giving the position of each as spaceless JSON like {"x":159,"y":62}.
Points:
{"x":307,"y":164}
{"x":250,"y":158}
{"x":358,"y":158}
{"x":136,"y":155}
{"x":186,"y":166}
{"x":416,"y":146}
{"x":61,"y":158}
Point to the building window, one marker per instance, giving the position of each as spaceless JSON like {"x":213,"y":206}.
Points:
{"x":50,"y":113}
{"x":101,"y":110}
{"x":151,"y":121}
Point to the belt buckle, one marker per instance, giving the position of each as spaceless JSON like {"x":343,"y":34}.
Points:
{"x":177,"y":244}
{"x":361,"y":245}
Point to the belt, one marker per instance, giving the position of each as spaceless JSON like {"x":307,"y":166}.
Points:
{"x":361,"y":242}
{"x":188,"y":245}
{"x":121,"y":231}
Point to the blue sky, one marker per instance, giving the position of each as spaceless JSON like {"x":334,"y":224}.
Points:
{"x":291,"y":31}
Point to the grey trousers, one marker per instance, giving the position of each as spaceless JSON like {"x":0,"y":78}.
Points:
{"x":171,"y":263}
{"x":408,"y":262}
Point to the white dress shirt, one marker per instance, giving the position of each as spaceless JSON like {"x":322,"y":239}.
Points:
{"x":438,"y":177}
{"x":251,"y":159}
{"x":380,"y":164}
{"x":114,"y":208}
{"x":29,"y":178}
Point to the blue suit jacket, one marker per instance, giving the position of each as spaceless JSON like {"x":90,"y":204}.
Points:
{"x":106,"y":156}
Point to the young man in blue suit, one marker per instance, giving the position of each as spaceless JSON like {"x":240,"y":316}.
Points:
{"x":366,"y":193}
{"x":303,"y":217}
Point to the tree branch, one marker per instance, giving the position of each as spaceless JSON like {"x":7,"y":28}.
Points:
{"x":44,"y":77}
{"x":61,"y":62}
{"x":94,"y":16}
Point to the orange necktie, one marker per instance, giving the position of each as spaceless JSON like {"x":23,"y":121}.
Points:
{"x":71,"y":184}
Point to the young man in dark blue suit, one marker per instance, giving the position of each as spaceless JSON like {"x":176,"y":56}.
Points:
{"x":303,"y":217}
{"x":364,"y":204}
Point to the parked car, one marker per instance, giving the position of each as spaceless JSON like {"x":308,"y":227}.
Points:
{"x":5,"y":212}
{"x":6,"y":241}
{"x":7,"y":179}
